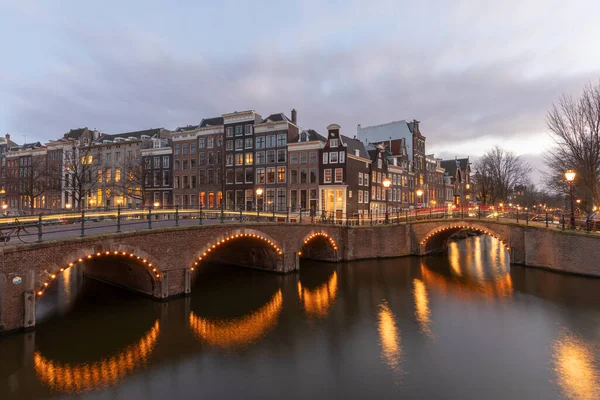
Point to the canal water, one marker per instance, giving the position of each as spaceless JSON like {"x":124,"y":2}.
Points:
{"x":462,"y":325}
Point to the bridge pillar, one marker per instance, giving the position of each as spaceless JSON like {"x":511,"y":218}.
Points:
{"x":187,"y":283}
{"x":28,"y":309}
{"x":289,"y":262}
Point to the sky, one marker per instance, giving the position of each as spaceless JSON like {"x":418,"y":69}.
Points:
{"x":475,"y":73}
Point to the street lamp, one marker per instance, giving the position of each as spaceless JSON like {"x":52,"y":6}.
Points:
{"x":68,"y":206}
{"x":156,"y":204}
{"x":259,"y":193}
{"x":419,"y":194}
{"x":386,"y":184}
{"x":570,"y":177}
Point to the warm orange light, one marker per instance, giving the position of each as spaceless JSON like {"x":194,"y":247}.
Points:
{"x":570,"y":175}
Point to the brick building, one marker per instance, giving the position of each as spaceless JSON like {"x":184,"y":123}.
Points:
{"x":344,"y":164}
{"x":157,"y":170}
{"x":303,"y":167}
{"x":459,"y":173}
{"x":239,"y":158}
{"x":272,"y":136}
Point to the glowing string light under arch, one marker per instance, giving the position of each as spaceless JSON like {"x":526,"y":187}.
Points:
{"x":320,"y":235}
{"x":105,"y":253}
{"x":459,"y":227}
{"x":220,"y":242}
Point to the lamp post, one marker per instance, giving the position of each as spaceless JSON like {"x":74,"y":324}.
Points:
{"x":259,"y":193}
{"x":4,"y":207}
{"x":419,"y":194}
{"x":570,"y":177}
{"x":386,"y":184}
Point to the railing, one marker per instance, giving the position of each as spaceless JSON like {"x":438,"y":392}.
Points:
{"x":73,"y":223}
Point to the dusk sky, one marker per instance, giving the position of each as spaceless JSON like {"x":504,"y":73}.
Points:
{"x":475,"y":73}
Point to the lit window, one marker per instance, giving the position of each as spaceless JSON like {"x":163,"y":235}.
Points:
{"x":327,"y":176}
{"x":339,"y":175}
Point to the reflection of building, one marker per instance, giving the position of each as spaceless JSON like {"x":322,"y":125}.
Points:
{"x":303,"y":167}
{"x":344,"y":164}
{"x":459,"y":173}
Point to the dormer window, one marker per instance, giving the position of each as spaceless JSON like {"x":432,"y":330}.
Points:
{"x":303,"y":137}
{"x":333,"y":142}
{"x":357,"y":152}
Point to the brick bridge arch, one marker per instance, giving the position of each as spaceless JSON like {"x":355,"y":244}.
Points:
{"x":319,"y":245}
{"x":88,"y":254}
{"x":431,"y":237}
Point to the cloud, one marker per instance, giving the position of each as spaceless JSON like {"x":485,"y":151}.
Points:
{"x":469,"y":84}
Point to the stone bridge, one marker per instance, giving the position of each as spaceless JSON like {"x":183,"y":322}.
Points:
{"x":161,"y":263}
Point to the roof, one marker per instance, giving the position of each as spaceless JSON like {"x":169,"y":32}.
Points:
{"x":186,"y":128}
{"x":136,"y":134}
{"x":75,"y":133}
{"x":354,"y":144}
{"x":216,"y":121}
{"x":451,"y":165}
{"x":312,"y":136}
{"x":276,"y":118}
{"x":29,"y":146}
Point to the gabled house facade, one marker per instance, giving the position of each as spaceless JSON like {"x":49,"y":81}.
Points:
{"x":343,"y":162}
{"x":459,"y":173}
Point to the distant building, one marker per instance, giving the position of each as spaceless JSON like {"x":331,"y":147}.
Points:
{"x":459,"y":173}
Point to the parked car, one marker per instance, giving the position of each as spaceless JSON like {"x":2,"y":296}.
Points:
{"x":542,"y":218}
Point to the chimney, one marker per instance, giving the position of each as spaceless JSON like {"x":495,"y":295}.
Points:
{"x":7,"y":136}
{"x":294,"y":116}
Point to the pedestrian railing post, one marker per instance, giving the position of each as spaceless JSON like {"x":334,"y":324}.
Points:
{"x":300,"y":218}
{"x":527,"y":218}
{"x":273,"y":220}
{"x":430,"y":213}
{"x":149,"y":217}
{"x":462,"y":211}
{"x":546,"y":219}
{"x":200,"y":215}
{"x":287,"y":214}
{"x":82,"y":223}
{"x":241,"y":214}
{"x":119,"y":218}
{"x":563,"y":222}
{"x":39,"y":226}
{"x":517,"y":215}
{"x":176,"y":214}
{"x":222,"y":214}
{"x":478,"y":212}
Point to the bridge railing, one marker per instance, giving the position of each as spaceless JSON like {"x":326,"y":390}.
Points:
{"x":74,"y":223}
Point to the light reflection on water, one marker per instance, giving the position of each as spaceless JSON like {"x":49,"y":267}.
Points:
{"x":317,"y":302}
{"x":389,"y":334}
{"x":238,"y":332}
{"x":411,"y":327}
{"x":576,"y":364}
{"x":76,"y":378}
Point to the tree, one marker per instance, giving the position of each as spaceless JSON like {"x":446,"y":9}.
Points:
{"x":497,"y":173}
{"x":574,"y":125}
{"x":81,"y":174}
{"x":33,"y":178}
{"x":132,"y":184}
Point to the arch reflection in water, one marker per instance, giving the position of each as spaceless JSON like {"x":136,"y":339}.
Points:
{"x":466,"y":278}
{"x":389,"y":336}
{"x":239,"y":332}
{"x":422,"y":311}
{"x":75,"y":378}
{"x":576,"y":367}
{"x":318,"y":302}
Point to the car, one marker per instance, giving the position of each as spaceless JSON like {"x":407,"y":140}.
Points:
{"x":542,"y":218}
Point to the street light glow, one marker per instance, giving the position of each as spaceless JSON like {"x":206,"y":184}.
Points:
{"x":259,"y":191}
{"x":570,"y":175}
{"x":156,"y":204}
{"x":387,"y":183}
{"x":419,"y":193}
